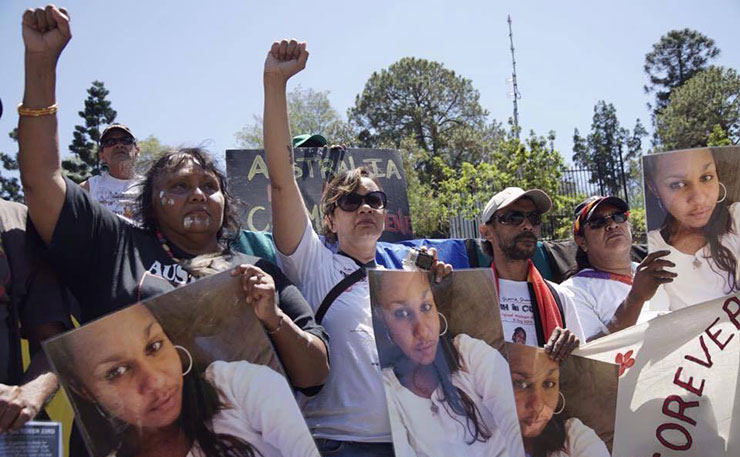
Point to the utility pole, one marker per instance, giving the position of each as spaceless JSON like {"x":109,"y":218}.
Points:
{"x":515,"y":88}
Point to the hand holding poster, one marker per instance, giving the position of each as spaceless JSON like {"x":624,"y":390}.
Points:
{"x":190,"y":370}
{"x":448,"y":387}
{"x":693,"y":213}
{"x":679,"y":382}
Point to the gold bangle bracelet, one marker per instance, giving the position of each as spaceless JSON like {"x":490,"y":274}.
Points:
{"x":36,"y":112}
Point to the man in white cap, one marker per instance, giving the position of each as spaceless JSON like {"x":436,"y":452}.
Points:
{"x":511,"y":226}
{"x":116,"y":188}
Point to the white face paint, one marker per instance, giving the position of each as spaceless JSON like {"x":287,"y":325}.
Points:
{"x":164,"y":200}
{"x":198,"y":219}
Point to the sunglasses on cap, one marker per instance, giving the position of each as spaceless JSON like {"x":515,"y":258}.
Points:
{"x":125,"y":140}
{"x":598,"y":222}
{"x":350,"y":202}
{"x":517,"y":217}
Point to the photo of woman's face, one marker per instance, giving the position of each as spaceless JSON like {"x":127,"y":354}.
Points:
{"x":536,"y":381}
{"x":687,"y":185}
{"x":410,"y":315}
{"x":129,"y":367}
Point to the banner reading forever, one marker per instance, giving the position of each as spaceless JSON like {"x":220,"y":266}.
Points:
{"x":249,"y":181}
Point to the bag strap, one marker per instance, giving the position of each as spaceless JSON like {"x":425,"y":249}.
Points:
{"x":348,"y":281}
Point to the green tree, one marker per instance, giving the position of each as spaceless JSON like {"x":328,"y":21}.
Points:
{"x":423,"y":100}
{"x":84,"y":146}
{"x":10,"y":186}
{"x":709,"y":100}
{"x":608,"y":150}
{"x":309,"y":111}
{"x":150,"y":149}
{"x":674,"y":59}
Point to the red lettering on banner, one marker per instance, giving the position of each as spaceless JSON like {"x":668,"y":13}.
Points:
{"x":688,"y":385}
{"x":715,"y":336}
{"x":708,"y":362}
{"x":732,"y":314}
{"x":672,"y":446}
{"x":682,"y":406}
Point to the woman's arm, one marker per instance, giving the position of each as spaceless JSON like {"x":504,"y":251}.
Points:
{"x":303,"y":354}
{"x":289,"y":214}
{"x":45,"y":33}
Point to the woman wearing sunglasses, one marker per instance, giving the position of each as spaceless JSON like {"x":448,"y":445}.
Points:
{"x":348,"y":417}
{"x":608,"y":289}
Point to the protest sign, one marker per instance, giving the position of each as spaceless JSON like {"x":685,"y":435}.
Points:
{"x":692,"y":210}
{"x":678,"y":382}
{"x":195,"y":360}
{"x":34,"y":439}
{"x":448,"y":386}
{"x":249,"y":181}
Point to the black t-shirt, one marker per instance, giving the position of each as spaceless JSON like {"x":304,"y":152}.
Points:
{"x":30,"y":294}
{"x":109,"y":264}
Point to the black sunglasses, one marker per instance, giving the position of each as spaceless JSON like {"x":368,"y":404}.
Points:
{"x":599,"y":222}
{"x":517,"y":217}
{"x":350,"y":202}
{"x":126,"y":140}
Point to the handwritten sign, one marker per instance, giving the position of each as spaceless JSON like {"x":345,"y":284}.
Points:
{"x":679,"y":381}
{"x":249,"y":180}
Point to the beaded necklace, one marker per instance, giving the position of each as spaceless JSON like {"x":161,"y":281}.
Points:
{"x":166,"y":247}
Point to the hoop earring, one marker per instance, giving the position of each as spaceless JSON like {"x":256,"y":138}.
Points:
{"x":562,"y":407}
{"x":725,"y":195}
{"x":190,"y":359}
{"x":660,"y":204}
{"x":446,"y":326}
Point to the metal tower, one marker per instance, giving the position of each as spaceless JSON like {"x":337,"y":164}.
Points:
{"x":515,"y":88}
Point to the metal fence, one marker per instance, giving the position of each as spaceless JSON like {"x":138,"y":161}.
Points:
{"x":577,"y":183}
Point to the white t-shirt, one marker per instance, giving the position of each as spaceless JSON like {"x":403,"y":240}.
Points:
{"x":118,"y":195}
{"x":581,"y":441}
{"x":699,"y":279}
{"x":261,"y":410}
{"x":516,"y":294}
{"x":351,"y":405}
{"x":597,"y":299}
{"x":484,"y":376}
{"x":515,"y":304}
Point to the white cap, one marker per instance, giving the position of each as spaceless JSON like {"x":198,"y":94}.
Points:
{"x":511,"y":194}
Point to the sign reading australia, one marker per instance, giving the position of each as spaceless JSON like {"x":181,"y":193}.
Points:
{"x":249,"y":181}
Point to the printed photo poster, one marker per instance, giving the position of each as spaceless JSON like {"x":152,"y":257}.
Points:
{"x":692,"y":210}
{"x":447,"y":385}
{"x":190,"y":366}
{"x":249,"y":180}
{"x":678,"y":385}
{"x":566,"y":409}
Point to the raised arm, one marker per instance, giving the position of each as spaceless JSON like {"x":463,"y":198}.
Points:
{"x":289,"y":214}
{"x":45,"y":33}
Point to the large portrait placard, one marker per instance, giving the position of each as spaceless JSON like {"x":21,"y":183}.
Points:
{"x":447,"y":384}
{"x":249,"y":180}
{"x":692,"y":211}
{"x":191,"y":369}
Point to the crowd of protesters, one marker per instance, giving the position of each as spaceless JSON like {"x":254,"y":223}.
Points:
{"x":95,"y":252}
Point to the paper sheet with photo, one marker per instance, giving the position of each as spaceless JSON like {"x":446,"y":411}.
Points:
{"x":197,"y":357}
{"x":692,"y":211}
{"x":447,"y":384}
{"x":566,"y":409}
{"x":679,"y":382}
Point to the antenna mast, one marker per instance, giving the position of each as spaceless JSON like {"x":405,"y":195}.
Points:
{"x":515,"y":88}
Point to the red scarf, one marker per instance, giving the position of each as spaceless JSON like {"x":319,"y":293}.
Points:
{"x":546,"y":305}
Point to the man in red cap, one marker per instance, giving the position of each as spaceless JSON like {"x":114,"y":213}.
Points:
{"x":542,"y":312}
{"x":116,"y":188}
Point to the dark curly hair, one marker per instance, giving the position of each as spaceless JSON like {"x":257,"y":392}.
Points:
{"x":344,"y":183}
{"x":173,"y":160}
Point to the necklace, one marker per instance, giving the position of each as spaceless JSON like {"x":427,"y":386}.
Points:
{"x":696,"y":263}
{"x":166,"y":247}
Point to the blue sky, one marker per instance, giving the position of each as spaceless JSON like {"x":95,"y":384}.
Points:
{"x":189,"y":72}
